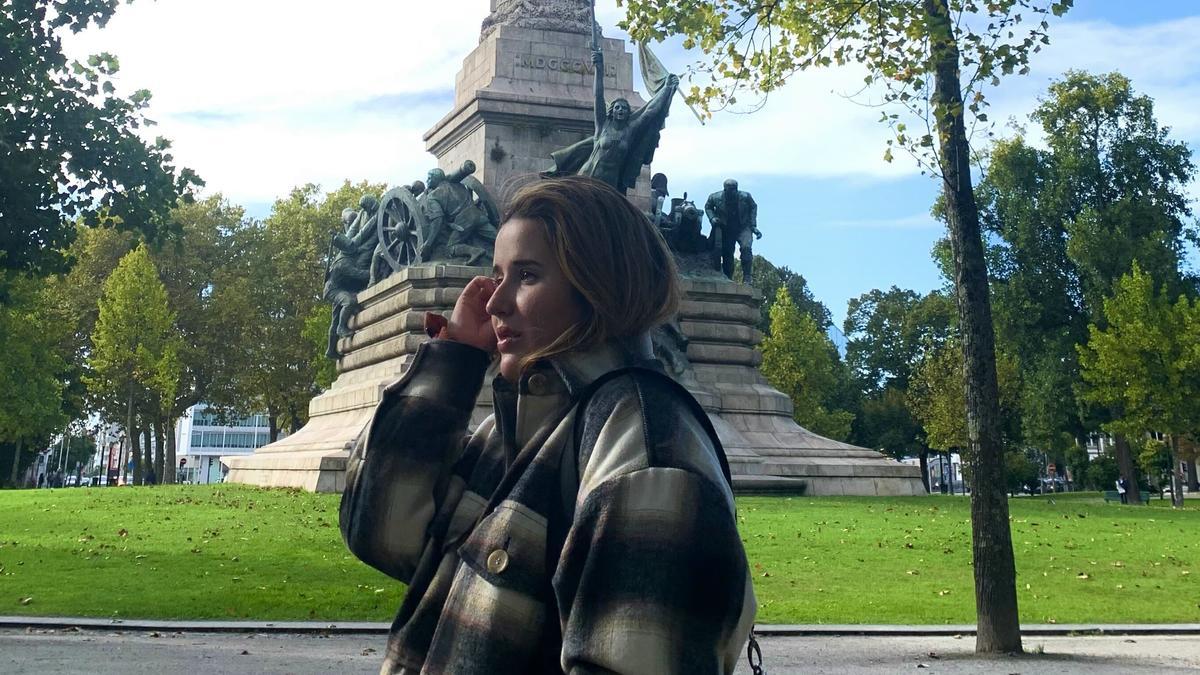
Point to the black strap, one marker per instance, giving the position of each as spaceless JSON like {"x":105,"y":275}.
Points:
{"x":697,"y":410}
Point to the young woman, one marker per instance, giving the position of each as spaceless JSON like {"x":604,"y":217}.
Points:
{"x":554,"y":538}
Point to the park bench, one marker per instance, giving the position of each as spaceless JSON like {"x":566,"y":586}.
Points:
{"x":1114,"y":496}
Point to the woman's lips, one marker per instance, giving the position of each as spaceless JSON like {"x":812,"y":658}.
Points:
{"x":506,"y":339}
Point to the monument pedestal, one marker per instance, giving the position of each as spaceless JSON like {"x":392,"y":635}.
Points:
{"x":767,"y":450}
{"x":388,"y":331}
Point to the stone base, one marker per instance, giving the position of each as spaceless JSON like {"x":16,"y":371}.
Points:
{"x":767,"y":450}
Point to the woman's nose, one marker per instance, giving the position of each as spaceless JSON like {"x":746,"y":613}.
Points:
{"x":500,"y":303}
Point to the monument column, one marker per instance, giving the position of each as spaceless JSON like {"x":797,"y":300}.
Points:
{"x":526,"y":91}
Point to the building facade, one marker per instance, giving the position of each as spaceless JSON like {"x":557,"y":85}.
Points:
{"x":202,"y":438}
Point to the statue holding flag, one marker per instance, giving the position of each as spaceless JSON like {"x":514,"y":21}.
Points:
{"x":625,"y":139}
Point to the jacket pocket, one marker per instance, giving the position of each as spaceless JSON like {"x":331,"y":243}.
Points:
{"x":508,"y":550}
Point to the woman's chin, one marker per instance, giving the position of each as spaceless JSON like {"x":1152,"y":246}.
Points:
{"x":510,"y":367}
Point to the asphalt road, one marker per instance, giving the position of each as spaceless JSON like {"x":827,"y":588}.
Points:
{"x":160,"y":653}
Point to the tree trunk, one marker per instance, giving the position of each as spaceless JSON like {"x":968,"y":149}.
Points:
{"x":130,"y":434}
{"x":135,"y":449}
{"x":160,"y":451}
{"x":999,"y":628}
{"x":16,"y":466}
{"x":1126,"y":467}
{"x":924,"y":455}
{"x":148,"y":450}
{"x":1176,"y":474}
{"x":1193,"y":482}
{"x":170,"y":476}
{"x":273,"y":422}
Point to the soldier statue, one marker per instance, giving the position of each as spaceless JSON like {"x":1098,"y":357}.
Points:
{"x":457,"y":225}
{"x":734,"y":218}
{"x":349,"y":268}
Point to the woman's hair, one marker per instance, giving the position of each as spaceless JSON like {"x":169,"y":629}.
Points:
{"x":621,"y":269}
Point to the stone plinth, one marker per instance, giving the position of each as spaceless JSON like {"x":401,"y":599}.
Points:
{"x":767,"y":450}
{"x":388,"y":331}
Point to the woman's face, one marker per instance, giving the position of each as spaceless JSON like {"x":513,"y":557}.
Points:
{"x":620,"y":110}
{"x":533,"y":303}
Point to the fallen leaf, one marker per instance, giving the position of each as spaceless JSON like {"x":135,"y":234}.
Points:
{"x":26,"y":601}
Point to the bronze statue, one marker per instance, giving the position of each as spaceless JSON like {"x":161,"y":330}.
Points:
{"x":624,"y":140}
{"x":734,"y":218}
{"x":457,"y":226}
{"x":453,"y":218}
{"x":349,"y":269}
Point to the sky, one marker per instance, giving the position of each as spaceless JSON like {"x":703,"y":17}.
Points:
{"x":260,"y":97}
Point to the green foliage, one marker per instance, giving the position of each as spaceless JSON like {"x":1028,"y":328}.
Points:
{"x":200,"y":262}
{"x":69,"y":146}
{"x":135,"y":349}
{"x":768,"y":279}
{"x":279,"y":293}
{"x":1145,"y":364}
{"x":1020,"y":472}
{"x":938,"y":400}
{"x":1102,"y":473}
{"x":30,"y":366}
{"x":757,"y":46}
{"x":798,"y":359}
{"x":888,"y":331}
{"x":316,"y":332}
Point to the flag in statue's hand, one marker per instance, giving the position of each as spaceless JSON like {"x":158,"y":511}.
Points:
{"x":654,"y":74}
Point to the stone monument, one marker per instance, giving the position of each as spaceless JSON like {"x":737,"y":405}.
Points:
{"x":523,"y":93}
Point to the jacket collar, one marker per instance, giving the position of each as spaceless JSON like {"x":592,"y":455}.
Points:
{"x":547,"y":388}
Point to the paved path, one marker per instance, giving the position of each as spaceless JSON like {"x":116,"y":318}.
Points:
{"x":53,"y":652}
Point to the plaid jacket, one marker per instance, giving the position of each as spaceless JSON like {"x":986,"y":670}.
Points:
{"x":620,"y":555}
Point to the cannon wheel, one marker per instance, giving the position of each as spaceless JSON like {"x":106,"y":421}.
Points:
{"x":483,"y":200}
{"x":401,"y":225}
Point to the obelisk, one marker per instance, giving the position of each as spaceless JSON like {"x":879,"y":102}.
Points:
{"x":526,"y":91}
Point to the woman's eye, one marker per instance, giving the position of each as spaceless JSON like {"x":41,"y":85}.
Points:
{"x":526,"y":275}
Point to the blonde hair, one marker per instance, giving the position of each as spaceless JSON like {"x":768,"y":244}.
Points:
{"x":617,"y":262}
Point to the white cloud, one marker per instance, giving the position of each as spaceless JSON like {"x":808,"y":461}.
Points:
{"x":261,"y":96}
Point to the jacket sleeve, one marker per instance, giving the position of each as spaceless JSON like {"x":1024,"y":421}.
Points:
{"x":653,"y":577}
{"x":398,"y":474}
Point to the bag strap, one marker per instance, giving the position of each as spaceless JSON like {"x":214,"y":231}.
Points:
{"x":694,"y":406}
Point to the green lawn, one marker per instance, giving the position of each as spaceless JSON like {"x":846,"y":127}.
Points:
{"x":229,"y":551}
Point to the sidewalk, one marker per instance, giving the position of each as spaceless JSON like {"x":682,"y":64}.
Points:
{"x":780,"y":630}
{"x":55,"y":652}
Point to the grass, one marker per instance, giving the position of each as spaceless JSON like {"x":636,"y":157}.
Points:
{"x":234,"y":552}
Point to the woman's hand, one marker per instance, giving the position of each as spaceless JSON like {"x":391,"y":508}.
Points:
{"x":470,"y":323}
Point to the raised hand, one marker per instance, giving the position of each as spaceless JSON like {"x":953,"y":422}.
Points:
{"x":469,"y":322}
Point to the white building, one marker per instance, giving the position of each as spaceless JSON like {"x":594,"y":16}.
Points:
{"x":201,"y":440}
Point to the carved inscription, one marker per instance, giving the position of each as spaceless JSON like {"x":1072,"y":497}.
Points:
{"x":566,"y":65}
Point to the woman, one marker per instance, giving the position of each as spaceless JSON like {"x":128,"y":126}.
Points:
{"x":553,"y":539}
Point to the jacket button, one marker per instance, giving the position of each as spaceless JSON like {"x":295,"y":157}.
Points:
{"x":497,"y":562}
{"x":538,"y":384}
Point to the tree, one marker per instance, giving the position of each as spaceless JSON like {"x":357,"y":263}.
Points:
{"x":30,"y":368}
{"x":768,"y":279}
{"x":798,"y":360}
{"x":279,"y":292}
{"x":1068,"y":221}
{"x":887,"y":333}
{"x":199,"y":264}
{"x":1145,"y":365}
{"x":135,"y":356}
{"x":904,"y":45}
{"x":69,"y":146}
